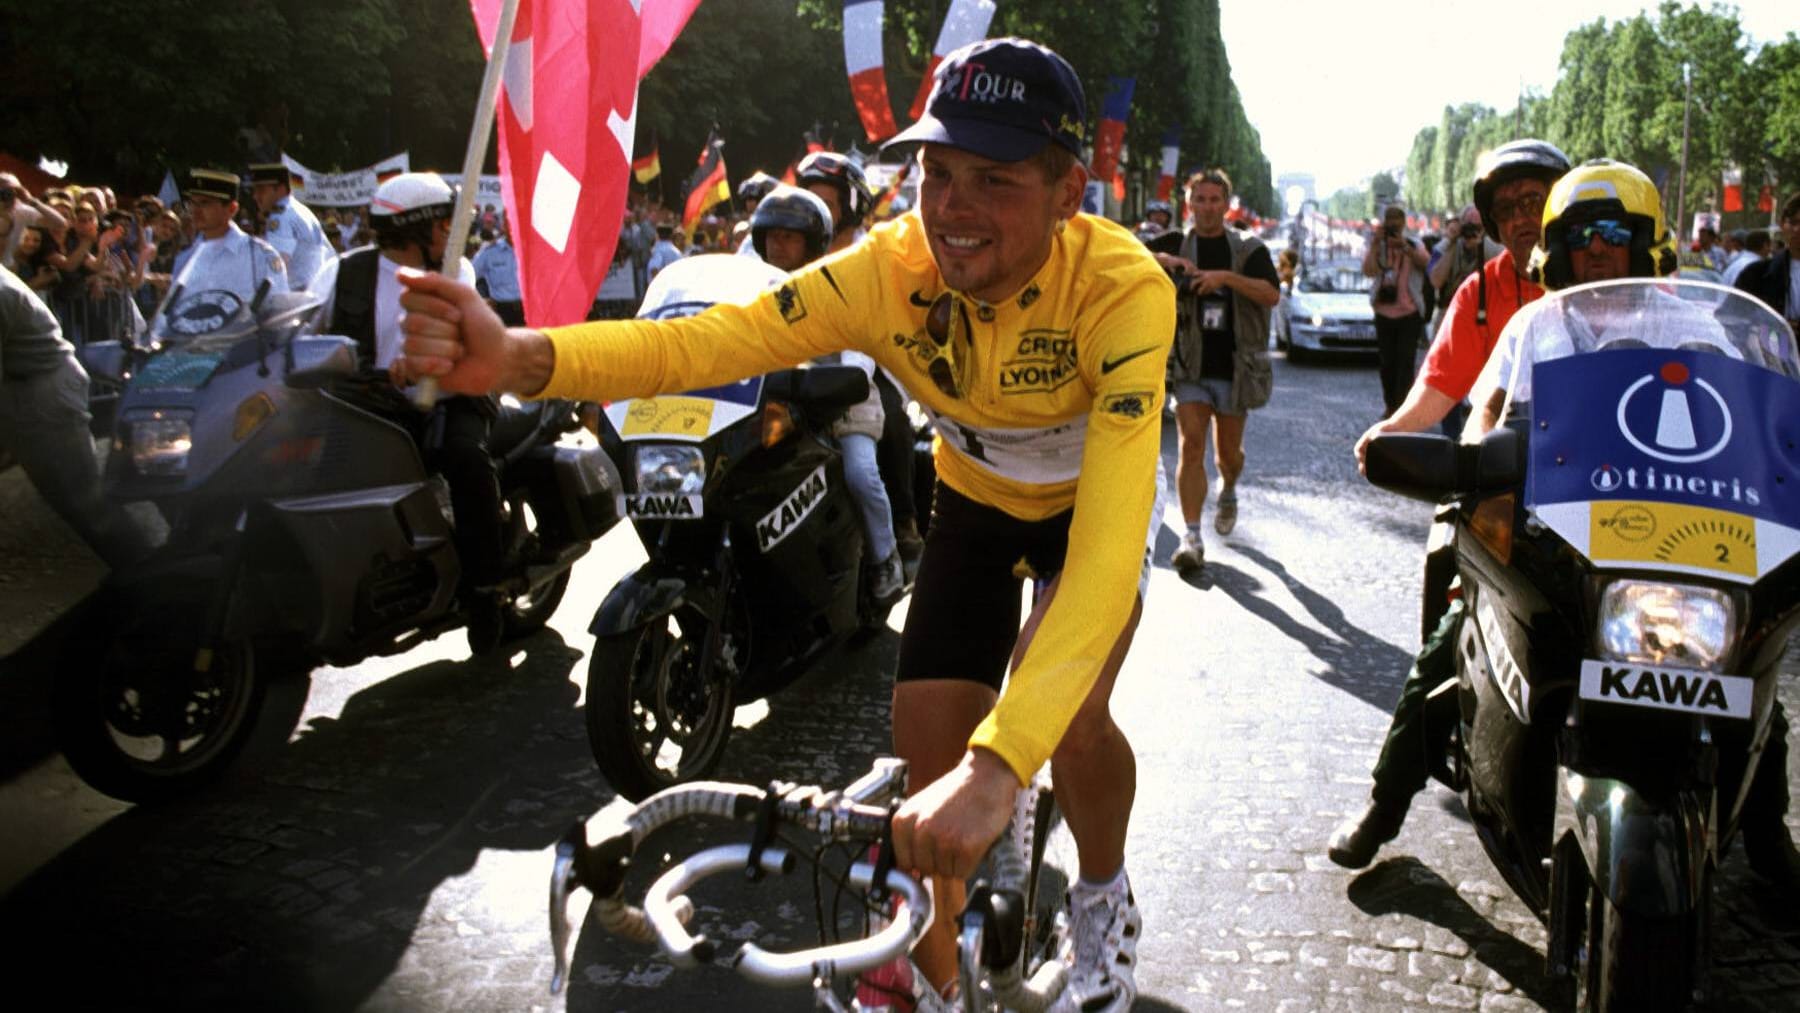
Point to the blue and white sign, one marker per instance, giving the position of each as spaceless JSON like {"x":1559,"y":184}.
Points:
{"x":1667,"y":459}
{"x":1670,"y":425}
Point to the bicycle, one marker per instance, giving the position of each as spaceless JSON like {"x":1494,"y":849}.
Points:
{"x":1006,"y":953}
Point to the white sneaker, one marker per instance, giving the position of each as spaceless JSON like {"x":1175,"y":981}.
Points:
{"x":1190,"y":556}
{"x":890,"y":580}
{"x":1101,"y":951}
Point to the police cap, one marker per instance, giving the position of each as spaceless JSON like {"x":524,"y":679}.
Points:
{"x":211,"y":183}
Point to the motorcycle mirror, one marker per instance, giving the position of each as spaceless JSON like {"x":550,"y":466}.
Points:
{"x":1500,"y":459}
{"x":826,"y":388}
{"x":320,"y":359}
{"x":1416,"y":465}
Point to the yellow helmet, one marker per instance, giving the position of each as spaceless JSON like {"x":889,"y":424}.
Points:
{"x":1596,"y":189}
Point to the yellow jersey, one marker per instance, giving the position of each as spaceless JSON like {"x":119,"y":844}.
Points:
{"x":1060,"y":406}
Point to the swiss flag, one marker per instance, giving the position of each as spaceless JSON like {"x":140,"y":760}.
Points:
{"x":567,"y":117}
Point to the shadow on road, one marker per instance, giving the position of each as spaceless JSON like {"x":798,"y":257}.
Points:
{"x":305,"y":889}
{"x":1358,"y":663}
{"x":26,"y":677}
{"x":1406,"y":886}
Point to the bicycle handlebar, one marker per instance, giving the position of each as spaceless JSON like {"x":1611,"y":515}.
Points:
{"x":798,"y":967}
{"x":991,"y":933}
{"x":834,"y":816}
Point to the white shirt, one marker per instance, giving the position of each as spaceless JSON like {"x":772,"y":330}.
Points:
{"x":1737,"y":265}
{"x":296,"y":234}
{"x":236,"y":262}
{"x":387,"y":307}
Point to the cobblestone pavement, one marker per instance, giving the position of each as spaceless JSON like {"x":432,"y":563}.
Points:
{"x":395,"y":856}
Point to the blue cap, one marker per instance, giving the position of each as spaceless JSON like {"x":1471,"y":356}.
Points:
{"x":1003,"y":99}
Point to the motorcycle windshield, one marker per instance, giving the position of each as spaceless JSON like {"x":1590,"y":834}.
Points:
{"x":1663,"y":425}
{"x":693,"y":415}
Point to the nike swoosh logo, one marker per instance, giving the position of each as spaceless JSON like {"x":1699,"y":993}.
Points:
{"x":1108,"y":365}
{"x":919,"y":300}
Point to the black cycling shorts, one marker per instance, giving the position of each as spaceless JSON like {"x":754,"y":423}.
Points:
{"x":965,"y":612}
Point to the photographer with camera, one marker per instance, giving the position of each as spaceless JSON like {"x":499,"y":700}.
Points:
{"x":1461,"y":253}
{"x":1397,"y":262}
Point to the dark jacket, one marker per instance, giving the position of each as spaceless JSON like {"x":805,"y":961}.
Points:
{"x":1768,"y":280}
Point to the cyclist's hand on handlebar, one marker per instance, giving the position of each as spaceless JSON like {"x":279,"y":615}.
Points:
{"x":945,"y":829}
{"x":451,"y":334}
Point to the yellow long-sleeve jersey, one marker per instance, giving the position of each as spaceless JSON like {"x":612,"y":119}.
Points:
{"x":1060,"y":406}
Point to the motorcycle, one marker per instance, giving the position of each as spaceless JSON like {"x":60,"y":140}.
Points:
{"x":756,"y":562}
{"x":304,"y":530}
{"x":1626,"y":545}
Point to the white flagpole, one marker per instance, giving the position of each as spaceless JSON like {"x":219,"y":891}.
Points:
{"x":479,"y":133}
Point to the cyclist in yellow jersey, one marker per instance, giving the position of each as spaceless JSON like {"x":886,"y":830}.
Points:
{"x":1035,"y":337}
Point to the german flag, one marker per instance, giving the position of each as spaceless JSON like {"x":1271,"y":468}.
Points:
{"x":648,"y":167}
{"x":884,"y":201}
{"x":707,"y":186}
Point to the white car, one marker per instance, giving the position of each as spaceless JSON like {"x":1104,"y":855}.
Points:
{"x":1327,"y":311}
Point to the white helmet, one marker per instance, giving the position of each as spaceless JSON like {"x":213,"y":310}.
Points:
{"x":692,"y":284}
{"x":410,"y":198}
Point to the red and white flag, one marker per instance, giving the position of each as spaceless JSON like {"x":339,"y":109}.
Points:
{"x":966,"y":22}
{"x":568,"y":115}
{"x":862,"y":60}
{"x":1734,"y":188}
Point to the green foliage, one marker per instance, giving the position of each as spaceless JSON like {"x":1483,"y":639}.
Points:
{"x":128,"y":88}
{"x":1620,"y":94}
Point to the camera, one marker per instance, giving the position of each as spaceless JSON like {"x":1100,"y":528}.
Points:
{"x":1386,"y":294}
{"x":1391,"y":230}
{"x":1470,"y":230}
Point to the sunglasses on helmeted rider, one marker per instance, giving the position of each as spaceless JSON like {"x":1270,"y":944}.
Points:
{"x":1581,"y":234}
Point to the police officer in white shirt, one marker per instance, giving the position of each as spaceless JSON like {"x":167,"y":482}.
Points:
{"x":223,"y":256}
{"x":497,"y":277}
{"x":289,"y":225}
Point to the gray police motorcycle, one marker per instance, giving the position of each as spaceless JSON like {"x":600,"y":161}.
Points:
{"x":1627,"y":545}
{"x":304,"y":530}
{"x":755,"y":548}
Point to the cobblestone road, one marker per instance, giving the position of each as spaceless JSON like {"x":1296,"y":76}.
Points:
{"x":394,"y":857}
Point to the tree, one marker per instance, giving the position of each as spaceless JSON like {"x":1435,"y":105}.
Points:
{"x":1578,"y":105}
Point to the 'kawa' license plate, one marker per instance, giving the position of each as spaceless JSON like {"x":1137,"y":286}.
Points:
{"x":1674,"y":689}
{"x":662,"y":507}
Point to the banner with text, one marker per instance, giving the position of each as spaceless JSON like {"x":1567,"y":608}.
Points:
{"x":342,"y":189}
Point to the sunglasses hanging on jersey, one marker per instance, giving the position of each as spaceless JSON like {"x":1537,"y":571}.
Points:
{"x":947,"y":325}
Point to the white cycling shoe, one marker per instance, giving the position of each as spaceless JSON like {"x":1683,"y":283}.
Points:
{"x":1100,"y":947}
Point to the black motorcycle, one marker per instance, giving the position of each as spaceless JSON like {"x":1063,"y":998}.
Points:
{"x":1625,"y":542}
{"x":304,"y":529}
{"x":756,"y":562}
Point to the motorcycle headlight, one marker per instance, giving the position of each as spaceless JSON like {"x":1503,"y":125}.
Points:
{"x":674,"y":470}
{"x":160,"y":443}
{"x":1666,"y":624}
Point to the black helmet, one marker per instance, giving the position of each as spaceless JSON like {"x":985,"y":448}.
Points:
{"x":1510,"y":161}
{"x":789,"y":207}
{"x":853,"y":189}
{"x":756,"y":187}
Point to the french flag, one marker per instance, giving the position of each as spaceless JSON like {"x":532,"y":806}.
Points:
{"x":966,"y":22}
{"x":1109,"y":138}
{"x":862,"y":58}
{"x":1171,"y":159}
